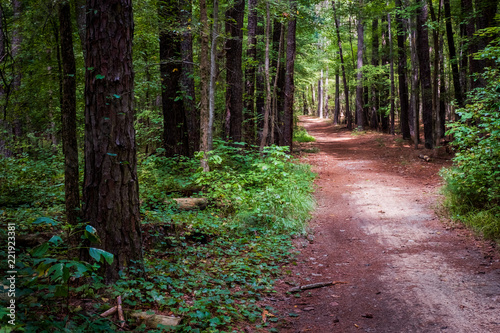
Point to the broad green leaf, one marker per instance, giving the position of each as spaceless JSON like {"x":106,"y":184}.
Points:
{"x":55,"y":240}
{"x":97,"y":253}
{"x":46,"y":220}
{"x":40,"y":250}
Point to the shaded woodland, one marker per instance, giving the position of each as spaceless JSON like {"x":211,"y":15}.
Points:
{"x":110,"y":109}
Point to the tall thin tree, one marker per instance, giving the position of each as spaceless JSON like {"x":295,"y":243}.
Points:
{"x":68,"y":116}
{"x":234,"y":75}
{"x":289,"y":78}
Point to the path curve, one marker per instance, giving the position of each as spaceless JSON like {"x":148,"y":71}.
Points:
{"x":375,"y":229}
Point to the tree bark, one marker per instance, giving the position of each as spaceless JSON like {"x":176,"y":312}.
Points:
{"x":80,"y":14}
{"x":187,"y":79}
{"x":111,"y":191}
{"x":289,"y":79}
{"x":234,"y":74}
{"x":425,"y":74}
{"x":375,"y":63}
{"x":68,"y":116}
{"x":336,"y":114}
{"x":359,"y":76}
{"x":344,"y":77}
{"x":205,"y":143}
{"x":213,"y":73}
{"x":453,"y":55}
{"x":403,"y":87}
{"x":267,"y":107}
{"x":175,"y":139}
{"x":249,"y":114}
{"x":320,"y":96}
{"x":393,"y":88}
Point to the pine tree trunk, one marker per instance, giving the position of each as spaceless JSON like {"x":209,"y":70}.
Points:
{"x":289,"y":80}
{"x":403,"y":87}
{"x":375,"y":63}
{"x":320,"y":96}
{"x":359,"y":78}
{"x":110,"y":192}
{"x":175,"y":139}
{"x":234,"y":74}
{"x":425,"y":74}
{"x":267,"y":108}
{"x":453,"y":55}
{"x":213,"y":74}
{"x":187,"y":79}
{"x":205,"y":130}
{"x":415,"y":88}
{"x":336,"y":115}
{"x":68,"y":117}
{"x":249,"y":114}
{"x":393,"y":88}
{"x":344,"y":77}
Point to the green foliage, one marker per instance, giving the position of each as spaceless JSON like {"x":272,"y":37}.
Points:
{"x":473,"y":184}
{"x":300,"y":135}
{"x":267,"y":190}
{"x":31,"y":178}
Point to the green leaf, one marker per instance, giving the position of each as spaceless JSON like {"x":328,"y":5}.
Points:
{"x":111,"y":154}
{"x":116,"y":96}
{"x":91,"y":234}
{"x":56,"y":272}
{"x":97,"y":253}
{"x":99,"y":77}
{"x":55,"y":240}
{"x":40,"y":250}
{"x":46,"y":220}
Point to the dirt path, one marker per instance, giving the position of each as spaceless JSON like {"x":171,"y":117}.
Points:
{"x":376,"y":230}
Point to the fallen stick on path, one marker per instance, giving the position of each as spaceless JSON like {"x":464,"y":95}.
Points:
{"x":315,"y":285}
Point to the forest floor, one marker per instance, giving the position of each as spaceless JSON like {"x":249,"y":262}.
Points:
{"x":398,"y":265}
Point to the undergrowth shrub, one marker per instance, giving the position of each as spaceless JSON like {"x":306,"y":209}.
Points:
{"x":300,"y":135}
{"x":472,"y":187}
{"x":265,"y":189}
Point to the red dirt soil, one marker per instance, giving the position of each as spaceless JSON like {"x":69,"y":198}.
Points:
{"x":400,"y":267}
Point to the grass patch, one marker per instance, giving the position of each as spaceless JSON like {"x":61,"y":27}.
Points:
{"x":300,"y":135}
{"x":484,"y":219}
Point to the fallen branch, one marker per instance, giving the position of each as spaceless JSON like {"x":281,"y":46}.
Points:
{"x":191,"y":203}
{"x":121,"y":317}
{"x":315,"y":285}
{"x":425,"y":158}
{"x":109,"y":311}
{"x":153,"y":320}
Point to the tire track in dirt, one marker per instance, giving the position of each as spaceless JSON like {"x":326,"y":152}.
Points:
{"x":375,"y":229}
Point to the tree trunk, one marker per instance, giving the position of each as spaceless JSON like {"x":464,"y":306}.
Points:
{"x":289,"y":79}
{"x":68,"y":116}
{"x":249,"y":111}
{"x":415,"y":88}
{"x":175,"y":139}
{"x":80,"y":14}
{"x":276,"y":130}
{"x":453,"y":55}
{"x":213,"y":74}
{"x":234,"y":74}
{"x":267,"y":108}
{"x":393,"y":88}
{"x":336,"y":114}
{"x":187,"y":79}
{"x":344,"y":77}
{"x":325,"y":92}
{"x":403,"y":87}
{"x":375,"y":63}
{"x":320,"y":96}
{"x":425,"y":74}
{"x":359,"y":78}
{"x":205,"y":144}
{"x":110,"y":192}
